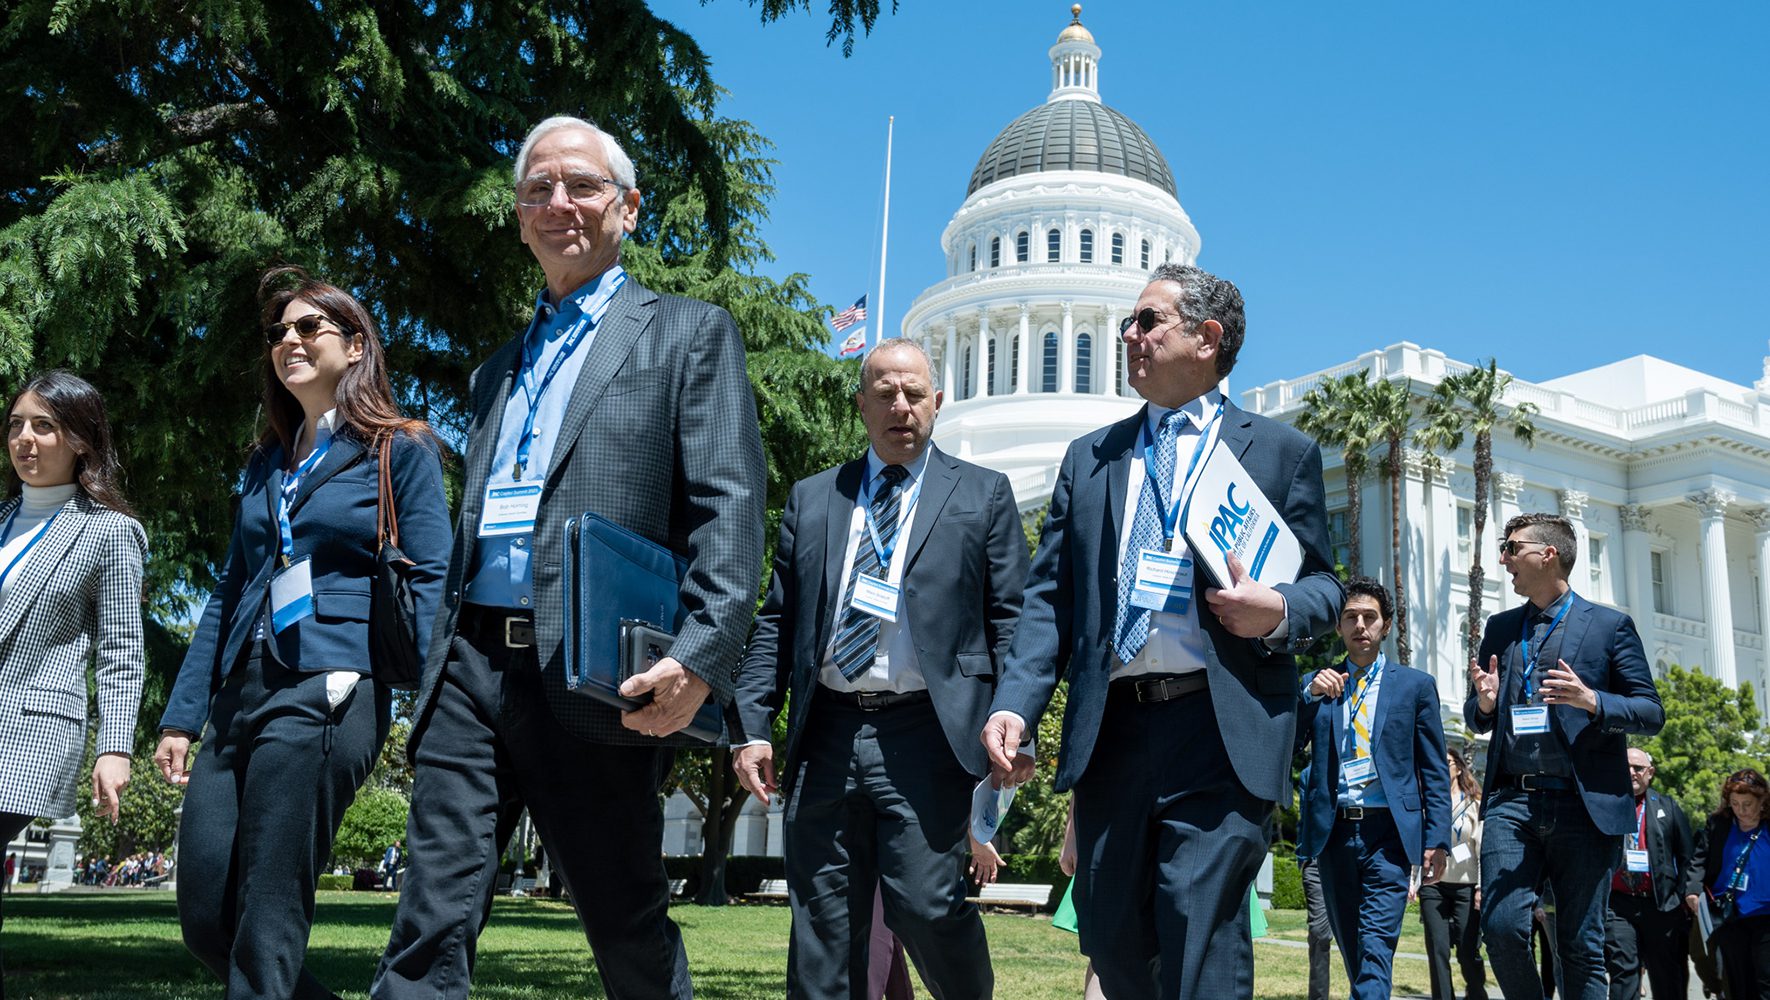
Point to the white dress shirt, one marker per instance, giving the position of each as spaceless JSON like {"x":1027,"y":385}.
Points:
{"x":895,"y":665}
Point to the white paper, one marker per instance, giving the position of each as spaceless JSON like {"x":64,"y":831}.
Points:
{"x":1227,"y":513}
{"x":988,"y":806}
{"x":1461,"y":853}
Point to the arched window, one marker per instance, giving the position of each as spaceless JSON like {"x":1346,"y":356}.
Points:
{"x":995,"y":251}
{"x":1084,"y":363}
{"x":1013,"y":364}
{"x":973,"y":266}
{"x":1118,"y":248}
{"x":990,"y":359}
{"x":1053,"y":246}
{"x":1023,"y":247}
{"x":965,"y":376}
{"x":1087,"y":246}
{"x":1145,"y":262}
{"x":1167,"y":255}
{"x":1048,"y":379}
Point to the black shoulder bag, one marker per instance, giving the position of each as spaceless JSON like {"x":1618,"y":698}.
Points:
{"x":393,"y":608}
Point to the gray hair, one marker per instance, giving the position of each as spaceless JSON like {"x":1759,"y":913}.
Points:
{"x":1204,"y":296}
{"x":896,"y":343}
{"x":619,"y":163}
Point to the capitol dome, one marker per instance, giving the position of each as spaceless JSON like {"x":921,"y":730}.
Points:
{"x":1073,"y":135}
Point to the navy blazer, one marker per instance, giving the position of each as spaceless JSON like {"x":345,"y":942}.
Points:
{"x":333,"y":521}
{"x":1072,"y":601}
{"x":1602,"y":646}
{"x":1407,"y":742}
{"x":963,"y":579}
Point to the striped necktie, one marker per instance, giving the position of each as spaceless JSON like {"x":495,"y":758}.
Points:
{"x":857,"y":640}
{"x":1361,"y":714}
{"x":1132,"y":629}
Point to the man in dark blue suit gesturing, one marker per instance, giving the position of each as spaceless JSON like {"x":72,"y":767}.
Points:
{"x":1377,"y":801}
{"x":1178,"y":732}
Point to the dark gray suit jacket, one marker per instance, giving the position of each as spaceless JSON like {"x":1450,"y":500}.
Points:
{"x":660,"y":437}
{"x":962,"y":581}
{"x":1072,"y":601}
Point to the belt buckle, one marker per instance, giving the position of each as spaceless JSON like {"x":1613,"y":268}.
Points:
{"x":869,"y":701}
{"x":1527,"y":783}
{"x":1354,"y":813}
{"x":509,"y":642}
{"x":1154,"y":688}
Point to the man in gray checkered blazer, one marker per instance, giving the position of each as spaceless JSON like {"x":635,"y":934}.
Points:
{"x":635,"y":406}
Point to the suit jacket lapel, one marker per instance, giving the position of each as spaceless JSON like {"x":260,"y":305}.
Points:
{"x":939,"y":477}
{"x":44,"y":559}
{"x":838,"y":515}
{"x":629,"y":313}
{"x":496,"y":379}
{"x":1236,"y":430}
{"x":345,"y":450}
{"x":1116,"y":450}
{"x":1578,"y":620}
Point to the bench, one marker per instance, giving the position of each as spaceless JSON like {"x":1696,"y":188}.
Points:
{"x":521,"y":886}
{"x":1015,"y":894}
{"x":771,"y":890}
{"x":676,"y":885}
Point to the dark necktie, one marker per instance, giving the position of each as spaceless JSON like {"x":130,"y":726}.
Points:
{"x":857,"y":640}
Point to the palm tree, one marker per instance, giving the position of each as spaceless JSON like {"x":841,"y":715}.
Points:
{"x":1336,"y":416}
{"x":1474,"y":400}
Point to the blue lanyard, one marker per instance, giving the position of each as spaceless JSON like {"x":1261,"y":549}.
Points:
{"x":1524,"y":640}
{"x":291,"y":485}
{"x":1170,"y":511}
{"x":909,"y":504}
{"x":586,"y":325}
{"x":42,"y":530}
{"x":1365,"y":687}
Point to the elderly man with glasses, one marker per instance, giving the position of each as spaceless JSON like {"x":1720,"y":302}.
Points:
{"x":1560,"y":683}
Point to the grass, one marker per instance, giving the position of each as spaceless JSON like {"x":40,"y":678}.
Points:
{"x":126,"y":946}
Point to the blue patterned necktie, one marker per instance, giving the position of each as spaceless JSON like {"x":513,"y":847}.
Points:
{"x":857,"y":641}
{"x":1131,"y":630}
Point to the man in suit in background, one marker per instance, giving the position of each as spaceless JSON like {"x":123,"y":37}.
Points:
{"x":1561,"y":683}
{"x":634,"y":406}
{"x":897,"y":583}
{"x":1378,"y":799}
{"x":1647,"y":924}
{"x":1178,"y":734}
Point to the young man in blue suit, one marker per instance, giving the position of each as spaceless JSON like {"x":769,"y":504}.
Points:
{"x":1180,"y":723}
{"x":1560,"y":683}
{"x":1377,"y":801}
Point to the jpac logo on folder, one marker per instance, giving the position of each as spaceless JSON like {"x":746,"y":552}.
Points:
{"x":1227,"y":513}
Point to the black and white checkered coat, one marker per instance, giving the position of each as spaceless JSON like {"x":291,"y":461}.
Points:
{"x":76,"y":600}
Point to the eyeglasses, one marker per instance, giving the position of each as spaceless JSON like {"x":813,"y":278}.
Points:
{"x":1145,"y":319}
{"x":307,"y":328}
{"x":1509,"y":547}
{"x":580,"y":188}
{"x":1639,"y":768}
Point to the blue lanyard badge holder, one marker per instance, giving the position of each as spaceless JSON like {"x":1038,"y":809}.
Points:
{"x":1163,"y":580}
{"x":1532,"y":717}
{"x":291,"y":585}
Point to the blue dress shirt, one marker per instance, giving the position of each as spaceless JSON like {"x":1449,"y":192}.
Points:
{"x":1369,"y":793}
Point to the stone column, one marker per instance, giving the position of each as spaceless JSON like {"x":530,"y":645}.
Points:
{"x":1760,"y":518}
{"x":1573,"y":507}
{"x":1023,"y":369}
{"x":1440,"y":650}
{"x":1106,"y":355}
{"x":983,"y":372}
{"x":1716,"y":595}
{"x":1637,"y":565}
{"x":949,"y":361}
{"x":1066,"y":351}
{"x":1506,"y":488}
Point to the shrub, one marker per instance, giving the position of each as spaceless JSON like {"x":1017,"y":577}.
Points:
{"x":1287,"y":884}
{"x":334,"y":883}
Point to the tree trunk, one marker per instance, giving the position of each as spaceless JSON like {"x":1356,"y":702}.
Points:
{"x":714,"y":844}
{"x":1354,"y":514}
{"x":1403,"y":652}
{"x":1477,"y":580}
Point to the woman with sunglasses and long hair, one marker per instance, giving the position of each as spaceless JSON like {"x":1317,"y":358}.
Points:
{"x":1731,"y":868}
{"x":1450,"y":909}
{"x":70,"y":594}
{"x":279,"y":680}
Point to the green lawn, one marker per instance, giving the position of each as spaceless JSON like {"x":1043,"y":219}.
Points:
{"x":126,"y":946}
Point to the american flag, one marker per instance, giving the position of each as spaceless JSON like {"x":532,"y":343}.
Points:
{"x":851,"y":315}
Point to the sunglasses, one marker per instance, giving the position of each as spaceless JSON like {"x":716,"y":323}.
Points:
{"x":1509,"y":547}
{"x":307,"y":328}
{"x":1639,"y":768}
{"x":1145,"y":319}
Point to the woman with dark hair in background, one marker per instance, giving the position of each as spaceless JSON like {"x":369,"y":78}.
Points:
{"x":1450,"y":908}
{"x":1732,"y":869}
{"x":70,"y":593}
{"x":280,"y":668}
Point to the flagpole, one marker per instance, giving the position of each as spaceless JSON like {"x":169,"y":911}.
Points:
{"x":884,"y":231}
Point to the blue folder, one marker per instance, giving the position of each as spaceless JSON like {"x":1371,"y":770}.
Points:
{"x":612,"y":576}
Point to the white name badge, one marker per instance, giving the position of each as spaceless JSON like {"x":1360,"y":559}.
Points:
{"x":510,"y":509}
{"x":291,"y":595}
{"x":1163,"y":582}
{"x":1635,"y":861}
{"x":875,"y":597}
{"x":1461,"y":853}
{"x":1530,"y":720}
{"x":1740,"y":881}
{"x":1360,"y":770}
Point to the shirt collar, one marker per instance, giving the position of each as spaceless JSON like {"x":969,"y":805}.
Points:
{"x":324,"y":426}
{"x":555,"y":320}
{"x":875,"y":465}
{"x":1554,"y":607}
{"x":1198,"y":410}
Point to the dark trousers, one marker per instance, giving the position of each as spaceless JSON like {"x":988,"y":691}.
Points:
{"x":1321,"y":933}
{"x":277,"y":769}
{"x":11,"y":825}
{"x":1448,"y":915}
{"x":878,"y":799}
{"x":491,"y":746}
{"x":1529,"y":839}
{"x":1364,"y":874}
{"x":1745,"y":957}
{"x":1168,"y":842}
{"x":1639,"y":935}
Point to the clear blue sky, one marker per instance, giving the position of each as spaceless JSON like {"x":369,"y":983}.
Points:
{"x":1556,"y":184}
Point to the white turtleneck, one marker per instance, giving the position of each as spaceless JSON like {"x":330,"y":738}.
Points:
{"x":37,"y":506}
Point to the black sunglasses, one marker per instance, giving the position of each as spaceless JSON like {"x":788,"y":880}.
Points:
{"x":1509,"y":547}
{"x":307,"y":328}
{"x":1146,"y":319}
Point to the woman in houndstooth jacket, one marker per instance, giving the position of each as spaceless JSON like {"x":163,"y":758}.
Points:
{"x":70,"y":593}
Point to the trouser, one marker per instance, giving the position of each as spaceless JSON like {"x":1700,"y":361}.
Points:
{"x":1321,"y":933}
{"x":1364,"y":875}
{"x":490,"y":746}
{"x":1639,"y":935}
{"x":1745,"y":956}
{"x":1529,"y":838}
{"x":11,"y":825}
{"x":277,"y":769}
{"x":1168,"y":842}
{"x":879,"y":799}
{"x":1448,"y":915}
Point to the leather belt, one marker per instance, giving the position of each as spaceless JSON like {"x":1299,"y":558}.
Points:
{"x":871,"y":701}
{"x":1156,"y":689}
{"x":515,"y":629}
{"x":1540,"y":783}
{"x":1363,"y":812}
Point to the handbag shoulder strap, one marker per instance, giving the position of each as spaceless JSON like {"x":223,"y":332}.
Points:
{"x":386,"y":511}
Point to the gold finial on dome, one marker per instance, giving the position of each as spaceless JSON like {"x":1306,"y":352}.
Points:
{"x":1075,"y":32}
{"x":1075,"y":12}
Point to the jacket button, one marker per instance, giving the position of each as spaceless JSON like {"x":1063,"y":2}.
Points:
{"x":454,"y":598}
